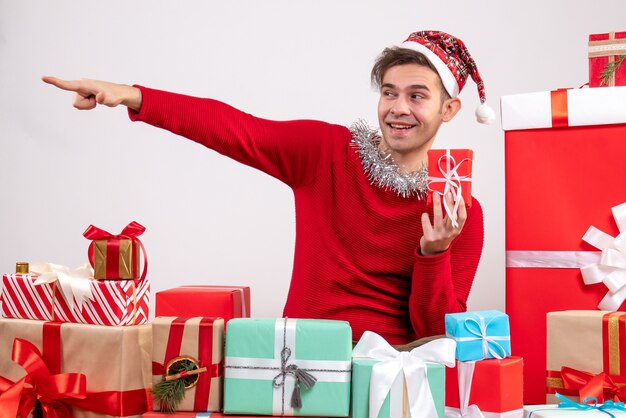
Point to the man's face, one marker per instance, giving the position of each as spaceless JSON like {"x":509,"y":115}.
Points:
{"x":410,"y":110}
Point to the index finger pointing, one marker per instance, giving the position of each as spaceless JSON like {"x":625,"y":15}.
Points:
{"x":62,"y":84}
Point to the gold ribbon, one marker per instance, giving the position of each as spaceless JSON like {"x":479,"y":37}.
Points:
{"x":608,"y":48}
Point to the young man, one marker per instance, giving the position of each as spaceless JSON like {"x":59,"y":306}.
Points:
{"x":368,"y":249}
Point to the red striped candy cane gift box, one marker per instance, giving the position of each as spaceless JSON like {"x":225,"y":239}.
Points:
{"x":113,"y":302}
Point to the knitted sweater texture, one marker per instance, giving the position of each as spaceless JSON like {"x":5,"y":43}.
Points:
{"x":357,"y":246}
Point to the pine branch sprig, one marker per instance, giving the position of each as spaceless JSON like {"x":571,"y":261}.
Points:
{"x":610,"y":69}
{"x":170,"y":393}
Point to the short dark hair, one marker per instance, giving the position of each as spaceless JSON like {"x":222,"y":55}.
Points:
{"x":390,"y":57}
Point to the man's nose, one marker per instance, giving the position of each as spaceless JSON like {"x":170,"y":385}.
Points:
{"x":400,"y":106}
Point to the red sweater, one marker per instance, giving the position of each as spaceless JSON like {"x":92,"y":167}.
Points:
{"x":356,"y":250}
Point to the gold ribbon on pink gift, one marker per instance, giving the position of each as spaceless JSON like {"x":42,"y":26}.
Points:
{"x":411,"y":366}
{"x":611,"y":268}
{"x":75,"y":284}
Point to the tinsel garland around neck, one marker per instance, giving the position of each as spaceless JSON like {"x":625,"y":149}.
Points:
{"x":380,"y":168}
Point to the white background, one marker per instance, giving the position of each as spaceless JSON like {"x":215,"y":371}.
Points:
{"x":210,"y":220}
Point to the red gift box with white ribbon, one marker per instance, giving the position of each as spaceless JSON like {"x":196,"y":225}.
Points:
{"x":60,"y":294}
{"x":494,"y":387}
{"x":564,"y":171}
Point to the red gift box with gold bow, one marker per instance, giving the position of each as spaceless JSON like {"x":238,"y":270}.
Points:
{"x":74,"y":370}
{"x":607,"y":59}
{"x":584,"y":357}
{"x":564,"y":171}
{"x":116,"y":256}
{"x":191,"y":344}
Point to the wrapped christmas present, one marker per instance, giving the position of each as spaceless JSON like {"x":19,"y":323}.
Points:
{"x":77,"y":370}
{"x":560,"y":147}
{"x":187,"y":362}
{"x":204,"y":300}
{"x":387,"y":383}
{"x":607,"y":63}
{"x":450,"y":172}
{"x":287,"y":367}
{"x":52,"y":292}
{"x":117,"y":256}
{"x":491,"y":387}
{"x":479,"y":335}
{"x":585,"y":355}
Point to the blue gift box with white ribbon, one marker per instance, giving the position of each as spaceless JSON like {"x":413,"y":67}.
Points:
{"x":479,"y":335}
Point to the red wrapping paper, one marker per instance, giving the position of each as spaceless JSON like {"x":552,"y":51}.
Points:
{"x":558,"y":182}
{"x":193,"y":415}
{"x":437,"y":167}
{"x":605,"y":48}
{"x":497,"y":385}
{"x":211,"y":301}
{"x":114,"y":303}
{"x":200,"y":338}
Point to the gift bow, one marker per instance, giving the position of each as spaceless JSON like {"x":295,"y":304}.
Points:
{"x":130,"y":231}
{"x":75,"y":284}
{"x":411,"y":364}
{"x":479,"y":329}
{"x":465,"y":370}
{"x":611,"y":270}
{"x":452,"y":181}
{"x":591,"y":403}
{"x":589,"y":385}
{"x":51,"y":390}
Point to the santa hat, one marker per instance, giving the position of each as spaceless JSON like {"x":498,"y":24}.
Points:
{"x":453,"y":63}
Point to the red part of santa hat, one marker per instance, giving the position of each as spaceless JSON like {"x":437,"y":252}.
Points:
{"x":453,"y":62}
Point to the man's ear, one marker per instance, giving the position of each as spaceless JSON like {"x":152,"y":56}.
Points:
{"x":450,"y":108}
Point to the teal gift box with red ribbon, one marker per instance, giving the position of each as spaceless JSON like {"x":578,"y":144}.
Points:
{"x":74,"y":370}
{"x":117,"y":256}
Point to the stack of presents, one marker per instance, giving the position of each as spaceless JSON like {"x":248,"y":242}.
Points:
{"x":78,"y":343}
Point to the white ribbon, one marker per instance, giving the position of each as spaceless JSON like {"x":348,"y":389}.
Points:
{"x":465,"y":370}
{"x":551,"y":259}
{"x":480,"y":333}
{"x":452,"y":181}
{"x":611,"y":268}
{"x":410,"y":365}
{"x":75,"y":284}
{"x":267,"y":369}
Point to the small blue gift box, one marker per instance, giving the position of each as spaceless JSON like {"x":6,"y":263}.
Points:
{"x":479,"y":335}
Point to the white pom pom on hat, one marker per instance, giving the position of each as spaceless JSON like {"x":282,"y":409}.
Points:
{"x":454,"y":64}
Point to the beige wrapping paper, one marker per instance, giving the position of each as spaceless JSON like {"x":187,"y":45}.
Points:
{"x":112,"y":358}
{"x":189,"y":347}
{"x":575,"y":339}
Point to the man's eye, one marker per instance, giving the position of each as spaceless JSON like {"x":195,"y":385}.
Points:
{"x":416,"y":97}
{"x":388,"y":93}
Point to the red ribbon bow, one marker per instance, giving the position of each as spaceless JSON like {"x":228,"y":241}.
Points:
{"x":587,"y":384}
{"x":131,"y":231}
{"x":51,"y":390}
{"x":57,"y":393}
